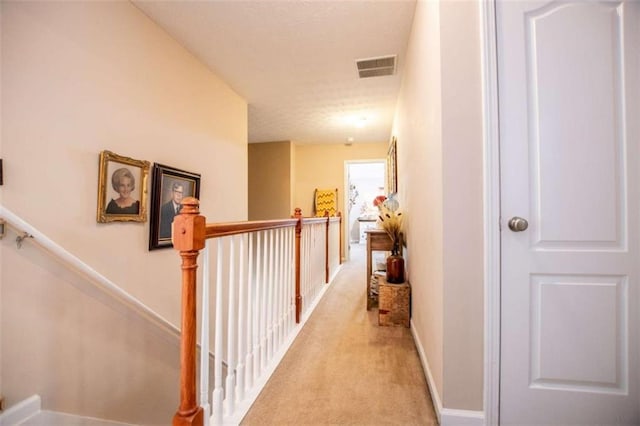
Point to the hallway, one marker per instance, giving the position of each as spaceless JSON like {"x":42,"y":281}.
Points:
{"x":345,"y":369}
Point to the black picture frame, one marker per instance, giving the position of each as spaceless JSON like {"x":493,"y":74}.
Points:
{"x":164,"y":187}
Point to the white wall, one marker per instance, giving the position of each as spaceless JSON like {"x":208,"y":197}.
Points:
{"x":439,"y":130}
{"x":78,"y":78}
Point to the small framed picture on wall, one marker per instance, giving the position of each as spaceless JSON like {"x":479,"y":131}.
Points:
{"x":392,"y":167}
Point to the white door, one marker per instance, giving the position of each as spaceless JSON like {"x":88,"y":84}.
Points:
{"x":569,"y":97}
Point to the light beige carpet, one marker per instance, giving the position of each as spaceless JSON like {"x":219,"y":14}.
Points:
{"x":345,"y":369}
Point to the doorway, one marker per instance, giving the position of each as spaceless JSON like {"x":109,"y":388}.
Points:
{"x":364,"y":180}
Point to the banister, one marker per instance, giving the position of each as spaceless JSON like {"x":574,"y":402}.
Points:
{"x":189,"y":233}
{"x":214,"y":230}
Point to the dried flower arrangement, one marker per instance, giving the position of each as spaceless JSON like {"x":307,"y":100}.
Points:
{"x":391,"y":220}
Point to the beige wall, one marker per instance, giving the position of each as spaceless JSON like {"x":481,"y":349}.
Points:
{"x":439,"y":129}
{"x":82,"y":353}
{"x":322,"y":166}
{"x":78,"y":78}
{"x":1,"y":156}
{"x":463,"y":212}
{"x":270,"y":180}
{"x":418,"y":129}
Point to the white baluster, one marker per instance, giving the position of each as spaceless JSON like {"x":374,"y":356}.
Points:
{"x":258,"y":354}
{"x":230,"y":387}
{"x":250,"y":316}
{"x":204,"y":336}
{"x":263,"y":309}
{"x":217,"y":408}
{"x":270,"y":299}
{"x":287,"y":281}
{"x":304,"y":253}
{"x":276,"y":292}
{"x":292,"y":282}
{"x":241,"y":323}
{"x":281,"y":287}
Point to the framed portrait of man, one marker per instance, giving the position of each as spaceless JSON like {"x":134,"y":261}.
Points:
{"x":169,"y":187}
{"x":122,"y":189}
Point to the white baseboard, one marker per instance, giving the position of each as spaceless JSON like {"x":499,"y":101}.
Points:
{"x":446,"y":416}
{"x":21,"y":411}
{"x":451,"y":417}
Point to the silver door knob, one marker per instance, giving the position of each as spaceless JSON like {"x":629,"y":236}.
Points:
{"x":518,"y":224}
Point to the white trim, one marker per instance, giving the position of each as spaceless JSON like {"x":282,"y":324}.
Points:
{"x":491,"y":201}
{"x":346,"y":242}
{"x":435,"y":397}
{"x":451,"y":417}
{"x":102,"y":289}
{"x":446,"y":416}
{"x":21,"y":411}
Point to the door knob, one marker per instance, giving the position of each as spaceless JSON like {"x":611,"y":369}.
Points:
{"x":518,"y":224}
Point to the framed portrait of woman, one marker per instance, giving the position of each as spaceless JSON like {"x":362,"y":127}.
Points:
{"x":122,"y":189}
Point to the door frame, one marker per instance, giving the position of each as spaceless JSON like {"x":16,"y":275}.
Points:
{"x":491,"y":210}
{"x":346,"y":217}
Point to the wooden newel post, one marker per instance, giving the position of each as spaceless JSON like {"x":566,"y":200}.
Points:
{"x":326,"y":247}
{"x":340,"y":230}
{"x":188,"y":235}
{"x":298,"y":215}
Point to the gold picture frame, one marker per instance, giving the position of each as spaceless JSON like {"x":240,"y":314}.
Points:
{"x":124,"y":181}
{"x":392,"y":167}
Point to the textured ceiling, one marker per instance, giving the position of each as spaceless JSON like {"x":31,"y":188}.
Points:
{"x":294,"y":61}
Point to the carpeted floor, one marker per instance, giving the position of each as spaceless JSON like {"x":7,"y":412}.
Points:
{"x":345,"y":369}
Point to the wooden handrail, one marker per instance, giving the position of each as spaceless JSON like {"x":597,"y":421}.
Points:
{"x":214,"y":230}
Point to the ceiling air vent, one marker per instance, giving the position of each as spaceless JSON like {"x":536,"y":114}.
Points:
{"x":376,"y":67}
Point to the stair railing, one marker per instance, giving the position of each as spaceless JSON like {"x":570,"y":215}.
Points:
{"x":269,"y":275}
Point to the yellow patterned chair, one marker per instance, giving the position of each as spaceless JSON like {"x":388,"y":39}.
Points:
{"x":326,"y":200}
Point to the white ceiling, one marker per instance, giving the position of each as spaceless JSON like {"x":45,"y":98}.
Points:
{"x":294,"y":61}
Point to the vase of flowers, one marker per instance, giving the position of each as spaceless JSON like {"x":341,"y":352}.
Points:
{"x":391,"y":220}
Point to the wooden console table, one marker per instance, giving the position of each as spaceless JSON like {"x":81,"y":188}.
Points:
{"x":377,"y":240}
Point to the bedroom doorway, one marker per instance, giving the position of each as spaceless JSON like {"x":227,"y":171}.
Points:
{"x":364,"y":180}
